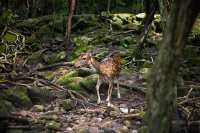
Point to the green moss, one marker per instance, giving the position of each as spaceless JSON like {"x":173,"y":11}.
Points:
{"x":191,"y":52}
{"x":18,"y":96}
{"x":196,"y":26}
{"x":81,"y":45}
{"x":71,"y":80}
{"x":30,"y":39}
{"x":6,"y":108}
{"x":89,"y":82}
{"x":67,"y":104}
{"x":9,"y":37}
{"x":2,"y":48}
{"x":35,"y":57}
{"x":145,"y":72}
{"x":40,"y":95}
{"x":54,"y":57}
{"x":67,"y":78}
{"x":140,"y":16}
{"x":53,"y":125}
{"x":48,"y":74}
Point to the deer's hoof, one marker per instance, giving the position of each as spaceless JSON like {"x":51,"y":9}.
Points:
{"x":107,"y":99}
{"x":98,"y":101}
{"x":110,"y":104}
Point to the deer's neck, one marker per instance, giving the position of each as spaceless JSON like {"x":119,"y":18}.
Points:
{"x":94,"y":64}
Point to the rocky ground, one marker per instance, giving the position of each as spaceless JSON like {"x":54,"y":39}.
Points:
{"x":85,"y":116}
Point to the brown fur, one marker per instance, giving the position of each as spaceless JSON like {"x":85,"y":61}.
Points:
{"x":108,"y":69}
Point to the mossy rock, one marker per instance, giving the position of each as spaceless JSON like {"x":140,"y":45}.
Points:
{"x":31,"y":39}
{"x":89,"y":82}
{"x":6,"y":108}
{"x":81,"y":45}
{"x":58,"y":25}
{"x":67,"y":104}
{"x":78,"y":83}
{"x":38,"y":108}
{"x":53,"y":125}
{"x":143,"y":129}
{"x":35,"y":57}
{"x":196,"y":26}
{"x":9,"y":37}
{"x":2,"y":48}
{"x":147,"y":65}
{"x":45,"y":33}
{"x":67,"y":78}
{"x":70,"y":81}
{"x":191,"y":52}
{"x":74,"y":86}
{"x":51,"y":117}
{"x":145,"y":72}
{"x":15,"y":131}
{"x":123,"y":18}
{"x":140,"y":16}
{"x":18,"y":96}
{"x":40,"y":95}
{"x":54,"y":57}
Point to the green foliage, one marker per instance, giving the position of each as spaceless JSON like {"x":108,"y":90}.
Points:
{"x":54,"y":57}
{"x":18,"y":96}
{"x":81,"y":45}
{"x":7,"y":17}
{"x":9,"y":37}
{"x":6,"y":108}
{"x":2,"y":48}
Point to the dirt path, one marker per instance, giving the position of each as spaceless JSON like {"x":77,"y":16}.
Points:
{"x":124,"y":117}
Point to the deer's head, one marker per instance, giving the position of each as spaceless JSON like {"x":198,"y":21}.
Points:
{"x":83,"y":59}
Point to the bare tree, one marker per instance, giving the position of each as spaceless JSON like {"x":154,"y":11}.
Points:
{"x":67,"y":41}
{"x":162,"y":80}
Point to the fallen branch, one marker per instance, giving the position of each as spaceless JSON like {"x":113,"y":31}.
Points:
{"x":54,"y":65}
{"x":135,"y":88}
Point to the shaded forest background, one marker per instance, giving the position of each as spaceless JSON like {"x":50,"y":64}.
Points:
{"x":41,"y":90}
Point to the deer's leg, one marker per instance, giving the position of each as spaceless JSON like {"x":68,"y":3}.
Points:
{"x":110,"y":93}
{"x":118,"y":90}
{"x":99,"y":81}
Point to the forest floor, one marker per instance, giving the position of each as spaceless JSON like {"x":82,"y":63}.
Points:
{"x":35,"y":80}
{"x":126,"y":116}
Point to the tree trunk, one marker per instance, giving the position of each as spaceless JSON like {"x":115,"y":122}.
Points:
{"x":162,"y":80}
{"x":164,"y":7}
{"x":68,"y":43}
{"x":108,"y":5}
{"x":150,"y":7}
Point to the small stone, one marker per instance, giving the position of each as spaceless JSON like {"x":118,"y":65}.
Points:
{"x":53,"y":125}
{"x":99,"y":119}
{"x":53,"y":117}
{"x":124,"y":129}
{"x":83,"y":130}
{"x":132,"y":110}
{"x":114,"y":113}
{"x":127,"y":123}
{"x":67,"y":104}
{"x":124,"y":110}
{"x":38,"y":108}
{"x":108,"y":130}
{"x":69,"y":129}
{"x":134,"y":131}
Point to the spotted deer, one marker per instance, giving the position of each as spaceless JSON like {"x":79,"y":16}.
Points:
{"x":108,"y":70}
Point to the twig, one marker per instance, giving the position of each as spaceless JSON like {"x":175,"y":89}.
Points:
{"x":54,"y":65}
{"x":4,"y":31}
{"x":137,"y":115}
{"x":136,"y":88}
